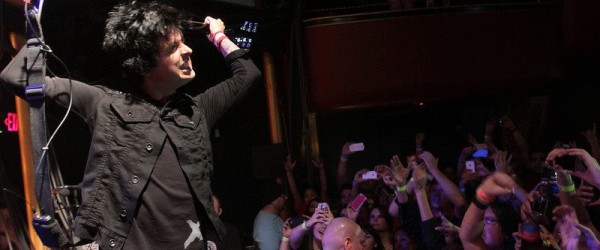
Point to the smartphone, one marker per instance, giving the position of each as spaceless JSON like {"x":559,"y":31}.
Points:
{"x":539,"y":205}
{"x":371,"y":175}
{"x":323,"y":206}
{"x":355,"y":147}
{"x":470,"y":165}
{"x":358,"y":202}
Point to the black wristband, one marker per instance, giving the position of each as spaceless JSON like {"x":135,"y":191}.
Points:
{"x":478,"y":204}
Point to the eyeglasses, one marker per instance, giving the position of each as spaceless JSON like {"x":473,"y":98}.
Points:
{"x":490,"y":221}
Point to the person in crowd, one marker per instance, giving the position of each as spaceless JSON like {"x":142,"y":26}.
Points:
{"x":309,"y":234}
{"x":345,"y":199}
{"x":268,"y":226}
{"x":404,"y":208}
{"x":371,"y":239}
{"x":232,"y":239}
{"x":402,"y":241}
{"x":499,"y":219}
{"x":342,"y":234}
{"x":383,"y":224}
{"x":305,"y":205}
{"x":150,"y":143}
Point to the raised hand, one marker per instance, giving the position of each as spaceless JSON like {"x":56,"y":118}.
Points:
{"x":430,"y":161}
{"x":319,"y":216}
{"x":318,"y":162}
{"x":287,"y":228}
{"x":289,"y":164}
{"x":346,"y":148}
{"x":389,"y":181}
{"x":586,"y":194}
{"x":592,"y":174}
{"x":565,"y":218}
{"x":399,"y":172}
{"x":358,"y":176}
{"x":591,"y":241}
{"x":501,"y":161}
{"x":498,"y":184}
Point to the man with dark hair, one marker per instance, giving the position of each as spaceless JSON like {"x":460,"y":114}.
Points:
{"x":147,"y":179}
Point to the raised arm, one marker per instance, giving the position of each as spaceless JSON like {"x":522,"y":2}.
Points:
{"x":518,"y":138}
{"x":289,"y":166}
{"x":592,"y":174}
{"x":244,"y":74}
{"x":568,"y":196}
{"x":420,"y":181}
{"x":318,"y":162}
{"x":495,"y":185}
{"x":285,"y":240}
{"x":449,"y":188}
{"x":297,"y":234}
{"x":397,"y":182}
{"x":342,"y":176}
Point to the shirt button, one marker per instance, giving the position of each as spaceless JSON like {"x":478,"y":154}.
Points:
{"x":191,"y":122}
{"x":112,"y":242}
{"x":123,"y":213}
{"x":149,"y":147}
{"x":135,"y":179}
{"x":129,"y":113}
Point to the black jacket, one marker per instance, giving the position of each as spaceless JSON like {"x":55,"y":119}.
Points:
{"x":127,"y":131}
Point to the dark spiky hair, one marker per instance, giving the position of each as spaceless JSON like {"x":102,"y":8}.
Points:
{"x":134,"y":30}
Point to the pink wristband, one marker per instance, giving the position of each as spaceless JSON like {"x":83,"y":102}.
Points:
{"x":212,"y":37}
{"x":485,"y":197}
{"x":220,"y":40}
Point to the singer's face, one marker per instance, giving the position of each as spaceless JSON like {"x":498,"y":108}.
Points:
{"x":174,"y":66}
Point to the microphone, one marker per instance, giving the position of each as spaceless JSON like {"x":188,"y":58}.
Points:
{"x":194,"y":25}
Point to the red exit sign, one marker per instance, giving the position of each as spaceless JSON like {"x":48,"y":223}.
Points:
{"x":11,"y":122}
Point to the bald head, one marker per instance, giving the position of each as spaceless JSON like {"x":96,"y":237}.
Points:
{"x":342,"y":233}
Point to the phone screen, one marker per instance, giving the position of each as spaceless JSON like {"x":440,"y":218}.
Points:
{"x":470,"y":165}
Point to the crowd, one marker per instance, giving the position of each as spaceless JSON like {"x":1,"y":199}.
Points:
{"x":509,"y":198}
